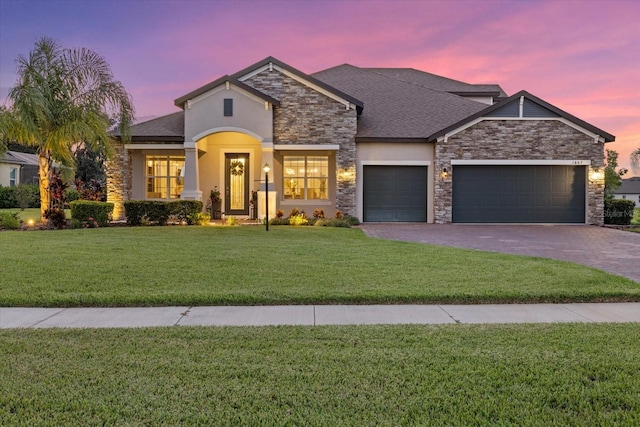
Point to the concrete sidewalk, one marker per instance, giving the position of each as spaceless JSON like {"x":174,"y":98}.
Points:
{"x":315,"y":315}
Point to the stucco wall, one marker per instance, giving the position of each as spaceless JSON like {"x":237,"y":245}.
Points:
{"x":249,"y":113}
{"x":306,"y":116}
{"x":519,"y":140}
{"x":5,"y":168}
{"x":397,"y":154}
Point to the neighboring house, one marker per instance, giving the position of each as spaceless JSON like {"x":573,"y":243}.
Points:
{"x":629,"y":190}
{"x":18,"y":168}
{"x":382,"y":144}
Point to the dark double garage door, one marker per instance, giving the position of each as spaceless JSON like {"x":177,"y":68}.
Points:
{"x":519,"y":194}
{"x":481,"y":193}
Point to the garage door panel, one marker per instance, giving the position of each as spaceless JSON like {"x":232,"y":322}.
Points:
{"x":394,"y":193}
{"x":528,"y":193}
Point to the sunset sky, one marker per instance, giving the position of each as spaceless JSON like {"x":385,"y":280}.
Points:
{"x":581,"y":56}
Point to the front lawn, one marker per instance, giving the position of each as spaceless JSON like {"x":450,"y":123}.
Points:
{"x":538,"y":375}
{"x":180,"y":265}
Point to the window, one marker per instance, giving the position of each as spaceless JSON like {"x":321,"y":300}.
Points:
{"x":228,"y":107}
{"x":165,"y":177}
{"x":306,"y":177}
{"x":13,"y":177}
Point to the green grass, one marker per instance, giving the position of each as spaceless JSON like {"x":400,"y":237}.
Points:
{"x":539,"y":375}
{"x":31,"y":214}
{"x":288,"y":265}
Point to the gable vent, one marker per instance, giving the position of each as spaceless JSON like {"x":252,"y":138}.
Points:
{"x":228,"y":107}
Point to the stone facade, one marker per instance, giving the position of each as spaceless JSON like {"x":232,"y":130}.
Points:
{"x":119,"y":172}
{"x":518,"y":140}
{"x":306,"y":116}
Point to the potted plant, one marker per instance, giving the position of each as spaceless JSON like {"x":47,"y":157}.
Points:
{"x":216,"y":201}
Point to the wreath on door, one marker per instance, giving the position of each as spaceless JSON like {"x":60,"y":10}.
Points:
{"x":236,"y":168}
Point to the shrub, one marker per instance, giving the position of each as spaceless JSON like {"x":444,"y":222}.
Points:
{"x":71,"y":194}
{"x":294,"y":212}
{"x":339,"y":215}
{"x":7,"y":198}
{"x":279,"y":221}
{"x":56,"y":217}
{"x":299,"y":219}
{"x":318,"y":213}
{"x":9,"y":220}
{"x":87,"y":211}
{"x":279,"y":213}
{"x":134,"y":210}
{"x":24,"y":196}
{"x":199,"y":218}
{"x":231,"y":220}
{"x":618,"y":212}
{"x":185,"y":210}
{"x":351,"y":220}
{"x":332,"y":223}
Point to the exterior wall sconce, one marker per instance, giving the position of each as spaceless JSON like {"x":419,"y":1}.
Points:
{"x":596,"y":175}
{"x":266,"y":168}
{"x":445,"y":173}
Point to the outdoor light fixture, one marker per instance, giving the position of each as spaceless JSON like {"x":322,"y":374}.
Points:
{"x":266,"y":168}
{"x":596,"y":175}
{"x":445,"y":172}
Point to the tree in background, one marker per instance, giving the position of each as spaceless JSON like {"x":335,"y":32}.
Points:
{"x":612,"y":175}
{"x":635,"y":159}
{"x":63,"y":97}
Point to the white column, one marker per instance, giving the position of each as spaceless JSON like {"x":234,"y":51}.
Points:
{"x":191,"y":189}
{"x":267,"y":157}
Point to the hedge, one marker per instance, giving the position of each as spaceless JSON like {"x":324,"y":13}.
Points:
{"x":159,"y":212}
{"x":84,"y":210}
{"x":618,"y":211}
{"x":10,"y":196}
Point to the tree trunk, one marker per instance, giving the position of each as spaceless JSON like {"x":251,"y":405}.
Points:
{"x":44,"y":171}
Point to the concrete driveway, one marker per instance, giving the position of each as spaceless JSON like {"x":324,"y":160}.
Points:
{"x":614,"y":251}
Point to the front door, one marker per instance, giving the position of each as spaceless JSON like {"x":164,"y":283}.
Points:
{"x":236,"y":194}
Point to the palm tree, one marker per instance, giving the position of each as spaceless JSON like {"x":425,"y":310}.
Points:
{"x":63,"y":97}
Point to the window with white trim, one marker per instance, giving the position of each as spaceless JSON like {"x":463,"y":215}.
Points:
{"x":165,"y":176}
{"x":13,"y":177}
{"x":306,"y":177}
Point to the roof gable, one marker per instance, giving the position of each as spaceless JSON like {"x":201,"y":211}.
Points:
{"x":528,"y":106}
{"x":309,"y":81}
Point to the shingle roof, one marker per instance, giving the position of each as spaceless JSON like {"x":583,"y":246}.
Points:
{"x":169,"y":128}
{"x":19,"y":158}
{"x":436,"y":82}
{"x":629,"y":186}
{"x":397,"y":109}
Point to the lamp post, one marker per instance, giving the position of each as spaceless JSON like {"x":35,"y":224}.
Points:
{"x":266,"y":168}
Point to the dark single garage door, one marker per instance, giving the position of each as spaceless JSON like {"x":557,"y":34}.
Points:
{"x":529,"y":194}
{"x":395,"y":193}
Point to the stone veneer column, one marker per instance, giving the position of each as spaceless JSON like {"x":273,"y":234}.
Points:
{"x":306,"y":116}
{"x":118,"y":170}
